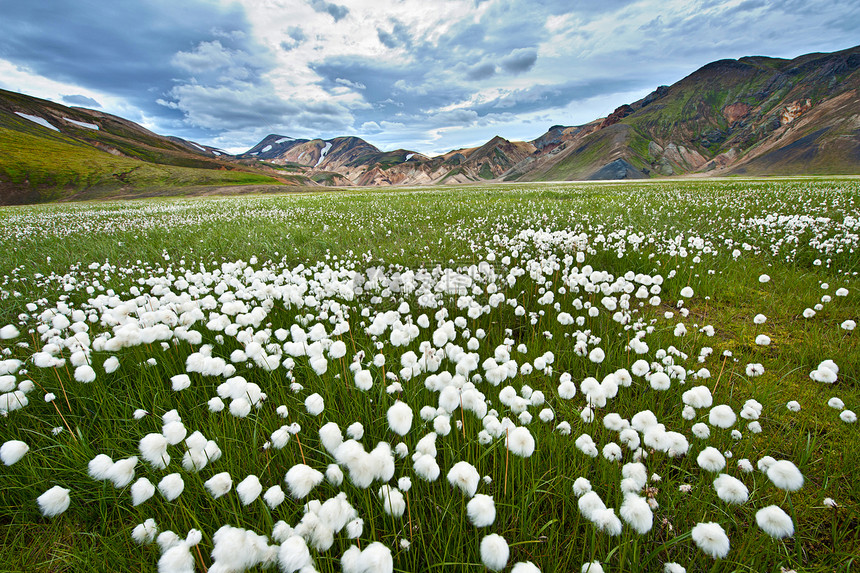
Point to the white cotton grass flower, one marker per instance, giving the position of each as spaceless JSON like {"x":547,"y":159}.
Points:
{"x":153,"y":449}
{"x":520,"y":442}
{"x":219,"y":484}
{"x":722,"y":416}
{"x":711,"y":538}
{"x":589,"y":503}
{"x":581,"y":486}
{"x":829,"y":502}
{"x":827,"y":372}
{"x":426,"y":467}
{"x":12,"y":451}
{"x":180,"y":382}
{"x":592,"y":567}
{"x":730,"y":489}
{"x":393,"y":502}
{"x":282,"y":531}
{"x":249,"y":489}
{"x":465,"y":477}
{"x":606,"y":521}
{"x":363,"y":380}
{"x":355,"y":431}
{"x":793,"y":406}
{"x":612,"y":452}
{"x":698,"y":397}
{"x":672,"y":567}
{"x":99,"y":467}
{"x":754,"y":369}
{"x":174,"y":431}
{"x":274,"y":496}
{"x":355,"y":528}
{"x":122,"y":472}
{"x":596,"y":355}
{"x":585,"y":444}
{"x":637,"y":513}
{"x":566,"y":389}
{"x":294,"y":555}
{"x":331,"y":437}
{"x":240,"y":407}
{"x":848,"y":416}
{"x":141,"y":490}
{"x":238,"y":549}
{"x":376,"y":558}
{"x":710,"y":459}
{"x":171,"y":486}
{"x":8,"y":332}
{"x":54,"y":501}
{"x":785,"y":475}
{"x":334,"y":475}
{"x":400,"y":418}
{"x":481,"y":510}
{"x":701,"y":431}
{"x":314,"y":404}
{"x":659,"y":381}
{"x":775,"y":522}
{"x":144,"y":533}
{"x":848,"y":325}
{"x":177,"y":558}
{"x":494,"y":552}
{"x":301,"y":479}
{"x":836,"y":403}
{"x":167,"y":539}
{"x":85,"y":374}
{"x":525,"y":567}
{"x":110,"y":365}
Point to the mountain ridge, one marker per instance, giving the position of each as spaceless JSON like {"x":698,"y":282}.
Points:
{"x":755,"y":115}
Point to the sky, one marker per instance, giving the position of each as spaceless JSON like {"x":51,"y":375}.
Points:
{"x":423,"y":75}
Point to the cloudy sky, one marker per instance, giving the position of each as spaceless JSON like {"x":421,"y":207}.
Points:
{"x":425,"y":75}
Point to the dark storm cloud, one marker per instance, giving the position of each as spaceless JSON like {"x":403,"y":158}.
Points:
{"x":540,"y":97}
{"x":80,"y":100}
{"x":334,"y":10}
{"x":396,"y":34}
{"x":110,"y":46}
{"x":119,"y":48}
{"x":519,"y":61}
{"x":481,"y":71}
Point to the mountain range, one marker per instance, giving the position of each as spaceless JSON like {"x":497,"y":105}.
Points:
{"x":752,"y":116}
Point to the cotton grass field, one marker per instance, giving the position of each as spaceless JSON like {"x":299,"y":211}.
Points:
{"x":559,"y":377}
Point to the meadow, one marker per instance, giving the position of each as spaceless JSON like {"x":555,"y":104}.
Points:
{"x":544,"y":377}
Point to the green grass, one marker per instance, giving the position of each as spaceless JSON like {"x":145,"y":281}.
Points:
{"x":54,"y":166}
{"x":688,"y":231}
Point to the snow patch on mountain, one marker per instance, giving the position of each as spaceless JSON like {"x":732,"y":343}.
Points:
{"x":81,"y":123}
{"x":285,"y":139}
{"x":37,"y":119}
{"x":323,"y":153}
{"x":267,"y":148}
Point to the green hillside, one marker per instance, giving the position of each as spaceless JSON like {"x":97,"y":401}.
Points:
{"x":39,"y":164}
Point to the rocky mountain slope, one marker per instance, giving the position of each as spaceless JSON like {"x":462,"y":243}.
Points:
{"x":755,"y":115}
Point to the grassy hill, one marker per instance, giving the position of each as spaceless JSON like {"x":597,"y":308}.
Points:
{"x":75,"y":160}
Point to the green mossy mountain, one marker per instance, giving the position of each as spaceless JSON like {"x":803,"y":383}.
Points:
{"x":755,"y":116}
{"x":87,"y":154}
